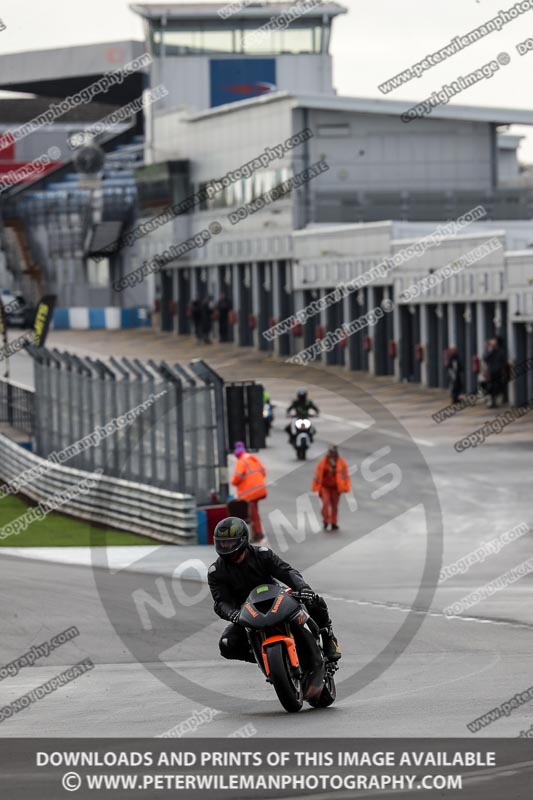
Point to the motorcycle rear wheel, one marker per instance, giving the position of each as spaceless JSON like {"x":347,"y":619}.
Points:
{"x":288,"y":689}
{"x":328,"y":695}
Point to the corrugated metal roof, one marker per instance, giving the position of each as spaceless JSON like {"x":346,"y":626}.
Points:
{"x":369,"y":105}
{"x":65,"y":63}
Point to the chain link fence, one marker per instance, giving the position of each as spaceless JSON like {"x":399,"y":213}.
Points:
{"x":158,"y":424}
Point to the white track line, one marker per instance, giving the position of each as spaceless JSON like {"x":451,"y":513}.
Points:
{"x":362,"y":426}
{"x":83,"y":557}
{"x":408,"y":610}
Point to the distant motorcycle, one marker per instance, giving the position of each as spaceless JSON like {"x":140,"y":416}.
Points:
{"x":302,"y":433}
{"x":268,"y":416}
{"x":286,"y":644}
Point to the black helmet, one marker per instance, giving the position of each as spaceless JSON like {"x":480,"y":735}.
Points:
{"x":301,"y":394}
{"x":231,"y":536}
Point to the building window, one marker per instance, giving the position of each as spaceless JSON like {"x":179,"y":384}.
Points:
{"x":98,"y":272}
{"x":193,"y":42}
{"x":293,"y":39}
{"x":299,"y":37}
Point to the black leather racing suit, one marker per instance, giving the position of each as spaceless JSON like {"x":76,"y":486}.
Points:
{"x":302,"y":407}
{"x":231,"y":583}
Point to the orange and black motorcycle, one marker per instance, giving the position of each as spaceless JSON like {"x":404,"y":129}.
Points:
{"x":287,"y":647}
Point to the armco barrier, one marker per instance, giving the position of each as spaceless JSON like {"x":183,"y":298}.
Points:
{"x":158,"y":513}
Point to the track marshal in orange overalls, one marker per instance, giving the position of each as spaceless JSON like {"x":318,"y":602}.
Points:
{"x":249,"y":479}
{"x":330,"y":481}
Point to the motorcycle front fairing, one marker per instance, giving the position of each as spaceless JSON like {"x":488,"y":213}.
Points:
{"x":271,"y":612}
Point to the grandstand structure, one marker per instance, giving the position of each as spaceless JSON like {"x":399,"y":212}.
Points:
{"x":55,"y":220}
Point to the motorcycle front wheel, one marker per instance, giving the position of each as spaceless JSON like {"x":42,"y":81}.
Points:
{"x":288,"y":689}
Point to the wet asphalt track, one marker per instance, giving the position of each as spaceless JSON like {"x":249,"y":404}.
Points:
{"x":452,"y":671}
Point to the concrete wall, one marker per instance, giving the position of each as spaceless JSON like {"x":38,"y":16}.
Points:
{"x":520,"y":285}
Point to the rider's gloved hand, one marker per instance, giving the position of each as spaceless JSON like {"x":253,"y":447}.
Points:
{"x":307,"y":595}
{"x":234,"y":617}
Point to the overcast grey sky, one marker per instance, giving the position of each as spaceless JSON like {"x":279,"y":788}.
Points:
{"x":374,"y":41}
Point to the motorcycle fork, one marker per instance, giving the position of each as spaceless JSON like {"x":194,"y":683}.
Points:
{"x":288,"y":641}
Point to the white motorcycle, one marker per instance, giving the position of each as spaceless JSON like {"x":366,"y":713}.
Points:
{"x":302,"y":434}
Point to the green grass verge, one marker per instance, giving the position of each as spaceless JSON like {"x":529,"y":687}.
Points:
{"x":56,"y":530}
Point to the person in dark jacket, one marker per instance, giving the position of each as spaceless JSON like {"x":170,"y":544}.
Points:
{"x":207,"y":319}
{"x":301,"y":405}
{"x":196,"y":315}
{"x":455,"y":373}
{"x":238,"y":569}
{"x":496,"y":365}
{"x":223,"y":308}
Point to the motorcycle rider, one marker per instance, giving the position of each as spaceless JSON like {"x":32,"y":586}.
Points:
{"x":238,"y":569}
{"x":301,"y":405}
